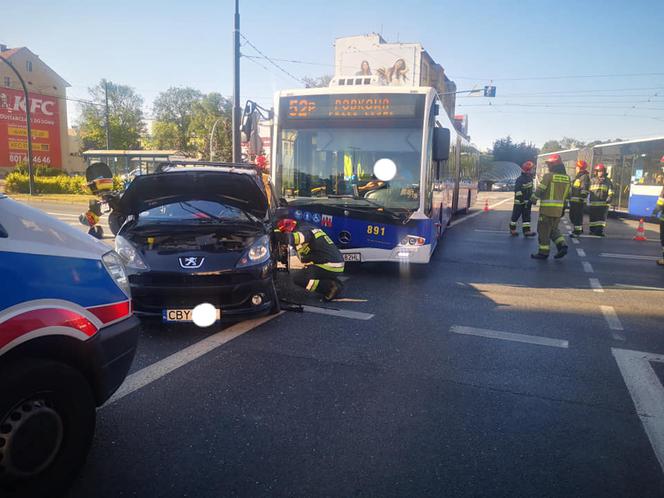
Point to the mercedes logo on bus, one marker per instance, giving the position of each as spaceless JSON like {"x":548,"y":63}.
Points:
{"x":344,"y":237}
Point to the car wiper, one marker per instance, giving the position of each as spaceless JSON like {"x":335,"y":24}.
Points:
{"x":197,"y":210}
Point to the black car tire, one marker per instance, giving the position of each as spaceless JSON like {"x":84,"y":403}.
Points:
{"x":48,"y":407}
{"x":276,"y":304}
{"x":115,"y":222}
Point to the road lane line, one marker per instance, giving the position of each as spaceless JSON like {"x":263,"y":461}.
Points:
{"x":581,"y":253}
{"x":163,"y":367}
{"x":613,"y":321}
{"x":595,"y":285}
{"x":356,"y":315}
{"x":640,"y":287}
{"x":647,"y":394}
{"x":67,"y":215}
{"x":627,"y":256}
{"x":472,"y":215}
{"x":575,"y":241}
{"x":587,"y":267}
{"x":509,"y":336}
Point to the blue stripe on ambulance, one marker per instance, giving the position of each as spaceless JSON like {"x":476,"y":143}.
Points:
{"x":27,"y":277}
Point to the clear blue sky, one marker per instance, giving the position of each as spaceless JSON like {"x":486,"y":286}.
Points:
{"x":151,"y":45}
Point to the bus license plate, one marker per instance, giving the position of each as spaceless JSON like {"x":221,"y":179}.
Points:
{"x":352,"y":256}
{"x":181,"y":315}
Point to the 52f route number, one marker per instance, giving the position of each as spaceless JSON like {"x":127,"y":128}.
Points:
{"x":375,"y":230}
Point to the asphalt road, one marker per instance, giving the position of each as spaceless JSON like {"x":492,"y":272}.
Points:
{"x":484,"y":373}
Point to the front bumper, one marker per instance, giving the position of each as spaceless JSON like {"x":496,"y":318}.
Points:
{"x":109,"y":354}
{"x":231,"y":291}
{"x":399,"y":254}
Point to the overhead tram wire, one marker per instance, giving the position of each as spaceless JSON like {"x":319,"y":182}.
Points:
{"x":579,"y":76}
{"x":270,"y":60}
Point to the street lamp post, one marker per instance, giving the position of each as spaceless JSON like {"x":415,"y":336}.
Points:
{"x":214,"y":127}
{"x":31,"y":182}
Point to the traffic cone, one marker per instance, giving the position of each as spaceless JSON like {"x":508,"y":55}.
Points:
{"x":640,"y":232}
{"x":486,"y":205}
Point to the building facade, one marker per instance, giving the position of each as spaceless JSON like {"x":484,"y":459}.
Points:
{"x":48,"y":112}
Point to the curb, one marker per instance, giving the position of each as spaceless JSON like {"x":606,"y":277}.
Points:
{"x":82,"y":202}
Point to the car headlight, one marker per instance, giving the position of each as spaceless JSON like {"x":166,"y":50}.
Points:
{"x":258,"y":253}
{"x":115,"y":268}
{"x":129,"y":254}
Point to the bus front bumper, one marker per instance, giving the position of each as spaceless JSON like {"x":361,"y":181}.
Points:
{"x":399,"y":254}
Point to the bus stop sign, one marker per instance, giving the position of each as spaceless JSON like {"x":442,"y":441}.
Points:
{"x":489,"y":91}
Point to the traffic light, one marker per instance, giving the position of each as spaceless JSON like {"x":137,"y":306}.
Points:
{"x":489,"y":91}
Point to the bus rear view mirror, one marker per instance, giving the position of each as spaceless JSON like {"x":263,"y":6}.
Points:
{"x":441,"y":144}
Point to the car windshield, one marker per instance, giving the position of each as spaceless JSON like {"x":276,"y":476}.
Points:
{"x":327,"y":162}
{"x":200,"y":211}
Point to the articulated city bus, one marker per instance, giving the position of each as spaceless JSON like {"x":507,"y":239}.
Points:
{"x":380,"y":169}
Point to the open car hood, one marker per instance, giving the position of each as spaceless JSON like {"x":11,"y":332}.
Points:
{"x":240,"y":190}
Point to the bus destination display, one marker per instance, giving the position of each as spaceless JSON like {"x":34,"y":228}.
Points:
{"x":368,"y":106}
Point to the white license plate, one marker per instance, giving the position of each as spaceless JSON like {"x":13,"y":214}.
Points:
{"x":352,"y":256}
{"x":181,"y":315}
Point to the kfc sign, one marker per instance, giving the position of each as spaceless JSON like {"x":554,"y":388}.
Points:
{"x":45,"y":121}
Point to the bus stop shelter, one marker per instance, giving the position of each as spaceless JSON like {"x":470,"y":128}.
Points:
{"x":136,"y":162}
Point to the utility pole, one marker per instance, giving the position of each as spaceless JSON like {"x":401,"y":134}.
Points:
{"x":108,"y":120}
{"x":31,"y":173}
{"x":237,"y":157}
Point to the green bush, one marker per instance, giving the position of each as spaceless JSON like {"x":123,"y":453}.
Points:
{"x":41,"y":170}
{"x":18,"y":183}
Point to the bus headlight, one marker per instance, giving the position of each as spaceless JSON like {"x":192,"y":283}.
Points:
{"x":412,"y":240}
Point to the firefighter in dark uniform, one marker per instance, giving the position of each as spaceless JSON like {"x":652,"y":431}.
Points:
{"x":601,"y":193}
{"x":578,"y":197}
{"x":323,"y":261}
{"x":523,"y":191}
{"x":552,"y":192}
{"x":658,"y":213}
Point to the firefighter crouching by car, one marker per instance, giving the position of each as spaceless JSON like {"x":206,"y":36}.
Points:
{"x":601,"y":193}
{"x":523,"y":191}
{"x":578,"y":197}
{"x":552,"y":191}
{"x":658,"y":213}
{"x":323,"y":261}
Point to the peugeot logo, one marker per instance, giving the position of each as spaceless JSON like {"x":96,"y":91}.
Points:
{"x":344,"y":237}
{"x":191,"y":262}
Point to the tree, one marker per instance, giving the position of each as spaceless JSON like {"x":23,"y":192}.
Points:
{"x":317,"y":82}
{"x":125,"y":117}
{"x":551,"y":146}
{"x":212,"y":108}
{"x":562,"y":144}
{"x":504,"y":149}
{"x":174,"y":111}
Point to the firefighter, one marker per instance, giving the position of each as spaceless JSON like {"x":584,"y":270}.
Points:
{"x":523,"y":191}
{"x":552,"y":191}
{"x":658,"y":213}
{"x":578,"y":197}
{"x":601,"y":193}
{"x":323,"y":261}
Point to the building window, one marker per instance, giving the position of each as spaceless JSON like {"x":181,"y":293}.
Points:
{"x":7,"y":82}
{"x":28,"y":66}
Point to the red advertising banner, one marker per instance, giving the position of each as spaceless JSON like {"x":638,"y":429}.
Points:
{"x":45,"y":120}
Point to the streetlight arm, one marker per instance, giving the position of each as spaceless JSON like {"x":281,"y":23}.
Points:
{"x":31,"y":182}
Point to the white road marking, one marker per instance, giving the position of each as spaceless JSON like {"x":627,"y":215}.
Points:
{"x":640,"y":287}
{"x":356,"y":315}
{"x":349,"y":300}
{"x":509,"y":336}
{"x":647,"y":394}
{"x":163,"y":367}
{"x":64,"y":215}
{"x":575,"y":241}
{"x":613,"y":321}
{"x":587,"y":267}
{"x":595,"y":285}
{"x":477,"y":213}
{"x":627,"y":256}
{"x":581,"y":253}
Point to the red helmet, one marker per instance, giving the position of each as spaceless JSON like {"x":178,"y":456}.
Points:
{"x":582,"y":165}
{"x":287,"y":225}
{"x":600,"y":167}
{"x":553,"y":159}
{"x":261,"y":162}
{"x":527,"y":166}
{"x":662,"y":160}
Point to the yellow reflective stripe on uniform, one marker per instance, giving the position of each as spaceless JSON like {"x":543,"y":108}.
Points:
{"x":599,"y":203}
{"x":561,"y":178}
{"x":552,"y":203}
{"x":593,"y":188}
{"x":597,"y":223}
{"x":318,"y":233}
{"x":312,"y":285}
{"x":334,"y":267}
{"x":660,"y":201}
{"x":559,"y":240}
{"x":544,"y":248}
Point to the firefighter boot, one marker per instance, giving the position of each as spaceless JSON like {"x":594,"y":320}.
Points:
{"x":539,"y":255}
{"x":335,"y":289}
{"x":528,"y":233}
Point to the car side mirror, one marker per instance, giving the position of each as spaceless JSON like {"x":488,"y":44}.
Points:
{"x":441,"y":144}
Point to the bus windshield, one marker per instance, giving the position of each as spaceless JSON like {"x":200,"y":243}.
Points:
{"x":339,"y":162}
